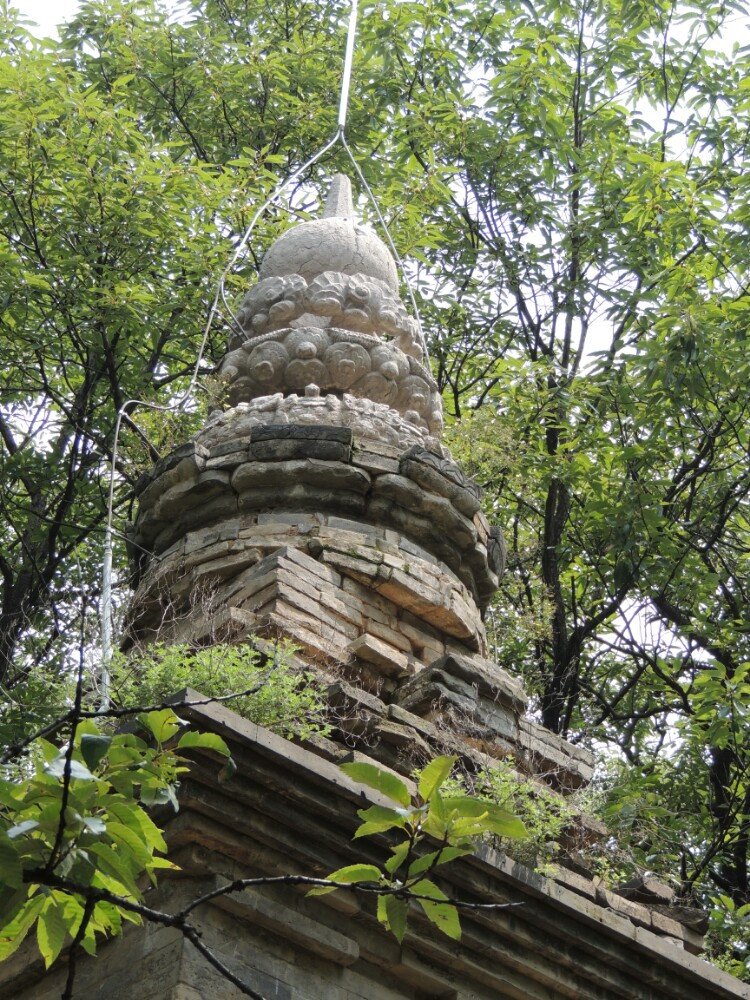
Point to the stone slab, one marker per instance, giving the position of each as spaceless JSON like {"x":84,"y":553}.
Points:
{"x":381,"y":654}
{"x":320,"y":432}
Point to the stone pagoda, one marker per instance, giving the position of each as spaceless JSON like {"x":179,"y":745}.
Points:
{"x":318,"y":504}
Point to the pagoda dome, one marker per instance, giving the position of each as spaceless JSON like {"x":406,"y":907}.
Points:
{"x":336,"y":242}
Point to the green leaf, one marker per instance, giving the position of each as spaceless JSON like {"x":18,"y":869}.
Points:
{"x":13,"y":933}
{"x":128,"y":840}
{"x":378,"y":819}
{"x":11,"y":870}
{"x":394,"y":911}
{"x":162,"y":724}
{"x":434,"y":858}
{"x":94,"y":748}
{"x":95,"y":825}
{"x":349,"y":875}
{"x":131,"y":814}
{"x":50,"y":932}
{"x":437,"y":908}
{"x":206,"y":741}
{"x":504,"y":824}
{"x":77,"y":771}
{"x":382,"y":781}
{"x":26,"y":826}
{"x":434,"y":775}
{"x":121,"y":870}
{"x":229,"y":770}
{"x":11,"y":901}
{"x":397,"y":859}
{"x":486,"y":816}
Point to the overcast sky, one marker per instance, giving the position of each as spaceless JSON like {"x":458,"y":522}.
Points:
{"x":47,"y":14}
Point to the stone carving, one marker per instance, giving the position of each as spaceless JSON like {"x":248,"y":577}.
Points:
{"x":336,"y":242}
{"x":272,"y":303}
{"x":325,"y":318}
{"x":368,"y":419}
{"x":347,"y":363}
{"x":445,"y":466}
{"x":336,"y":361}
{"x":350,"y":302}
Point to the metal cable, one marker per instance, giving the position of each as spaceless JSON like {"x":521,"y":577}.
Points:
{"x":392,"y":245}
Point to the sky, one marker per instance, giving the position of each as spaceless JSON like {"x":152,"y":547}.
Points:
{"x":47,"y":14}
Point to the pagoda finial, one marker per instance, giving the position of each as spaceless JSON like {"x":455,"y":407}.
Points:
{"x":339,"y":201}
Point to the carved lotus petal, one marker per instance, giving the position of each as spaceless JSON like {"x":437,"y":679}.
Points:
{"x":360,"y":293}
{"x":301,"y":373}
{"x":267,"y":362}
{"x":414,"y":394}
{"x":327,"y":293}
{"x":233,"y":364}
{"x":281,"y":311}
{"x":409,"y":341}
{"x":389,"y":361}
{"x":374,"y":386}
{"x":286,"y":292}
{"x":389,"y":318}
{"x":355,"y":319}
{"x":306,"y":342}
{"x":346,"y":363}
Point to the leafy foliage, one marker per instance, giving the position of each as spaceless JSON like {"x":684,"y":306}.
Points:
{"x":75,"y":835}
{"x":447,"y":825}
{"x":728,"y":937}
{"x":269,"y":691}
{"x":545,"y":814}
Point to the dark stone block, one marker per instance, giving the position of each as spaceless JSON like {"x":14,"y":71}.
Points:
{"x":145,"y":479}
{"x":229,"y":447}
{"x":281,"y":449}
{"x":267,"y":432}
{"x":301,"y":497}
{"x":444,"y":466}
{"x":189,"y":450}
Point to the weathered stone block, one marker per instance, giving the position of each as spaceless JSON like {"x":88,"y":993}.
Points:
{"x":228,"y":461}
{"x":464,"y":499}
{"x":283,"y":449}
{"x":251,"y":906}
{"x":490,"y":681}
{"x":399,"y":714}
{"x":385,"y":657}
{"x":374,"y":463}
{"x":302,"y":497}
{"x":387,"y":631}
{"x":191,"y":493}
{"x":363,"y":570}
{"x":239,"y":443}
{"x":430,"y":695}
{"x":195,"y":453}
{"x":223,"y":505}
{"x":320,"y":432}
{"x":329,"y":475}
{"x":401,"y":490}
{"x":405,"y":738}
{"x":567,"y":765}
